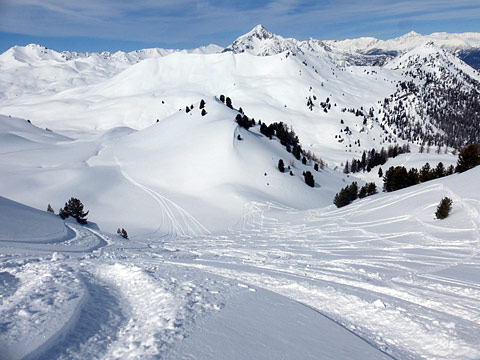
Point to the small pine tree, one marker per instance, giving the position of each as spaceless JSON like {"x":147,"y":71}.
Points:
{"x":281,"y":166}
{"x":202,"y":104}
{"x":304,"y":160}
{"x":50,"y":209}
{"x":228,"y":102}
{"x":309,"y":180}
{"x":443,"y":209}
{"x":204,"y":112}
{"x":363,"y":192}
{"x":315,"y":167}
{"x":371,"y":188}
{"x":380,"y":172}
{"x":222,"y":98}
{"x":122,"y":233}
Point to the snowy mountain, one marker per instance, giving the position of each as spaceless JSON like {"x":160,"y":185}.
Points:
{"x":362,"y":51}
{"x":203,"y":157}
{"x":261,"y":42}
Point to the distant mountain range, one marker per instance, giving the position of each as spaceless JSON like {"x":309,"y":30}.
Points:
{"x":362,"y":51}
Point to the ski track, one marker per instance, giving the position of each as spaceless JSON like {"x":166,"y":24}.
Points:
{"x":388,"y":289}
{"x":179,"y":222}
{"x":96,"y":296}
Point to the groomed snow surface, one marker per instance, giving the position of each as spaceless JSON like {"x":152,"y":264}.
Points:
{"x":378,"y":279}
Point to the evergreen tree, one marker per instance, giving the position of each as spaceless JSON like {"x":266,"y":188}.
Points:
{"x":309,"y":180}
{"x":315,"y":167}
{"x":363,"y":192}
{"x":74,"y":208}
{"x":228,"y":102}
{"x":281,"y":166}
{"x":304,"y":160}
{"x":371,"y":188}
{"x":440,"y":170}
{"x":425,"y":173}
{"x":202,"y":104}
{"x":222,"y":98}
{"x":50,"y":209}
{"x":468,"y":158}
{"x":204,"y":112}
{"x":380,"y":172}
{"x":443,"y":209}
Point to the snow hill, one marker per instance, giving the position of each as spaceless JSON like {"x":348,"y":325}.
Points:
{"x":186,"y":175}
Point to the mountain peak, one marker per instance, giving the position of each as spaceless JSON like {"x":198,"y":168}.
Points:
{"x":261,"y":42}
{"x":260,"y":32}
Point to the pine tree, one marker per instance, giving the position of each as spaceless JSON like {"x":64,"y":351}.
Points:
{"x":468,"y":158}
{"x":371,"y":188}
{"x":380,"y":172}
{"x":202,"y":104}
{"x":443,"y":209}
{"x":204,"y":112}
{"x":363,"y":192}
{"x":309,"y":180}
{"x":74,"y":208}
{"x":222,"y":98}
{"x":228,"y":102}
{"x":315,"y":167}
{"x":50,"y":209}
{"x":281,"y":166}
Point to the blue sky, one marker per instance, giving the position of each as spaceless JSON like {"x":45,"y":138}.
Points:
{"x":97,"y":25}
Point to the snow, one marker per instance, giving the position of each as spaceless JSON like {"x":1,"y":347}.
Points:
{"x":226,"y":257}
{"x":380,"y":278}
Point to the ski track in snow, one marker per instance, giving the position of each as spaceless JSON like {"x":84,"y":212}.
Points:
{"x":96,"y":296}
{"x":179,"y":221}
{"x":376,"y":296}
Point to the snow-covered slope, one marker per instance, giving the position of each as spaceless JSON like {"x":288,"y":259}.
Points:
{"x":186,"y":175}
{"x":378,"y":279}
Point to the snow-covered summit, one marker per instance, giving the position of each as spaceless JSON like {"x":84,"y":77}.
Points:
{"x":261,"y":42}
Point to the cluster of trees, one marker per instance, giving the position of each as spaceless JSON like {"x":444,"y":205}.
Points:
{"x":442,"y":101}
{"x":367,"y":190}
{"x":287,"y":137}
{"x":345,"y":196}
{"x":227,"y":101}
{"x":373,"y":158}
{"x":350,"y":193}
{"x":396,"y":178}
{"x":244,"y":121}
{"x":122,"y":232}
